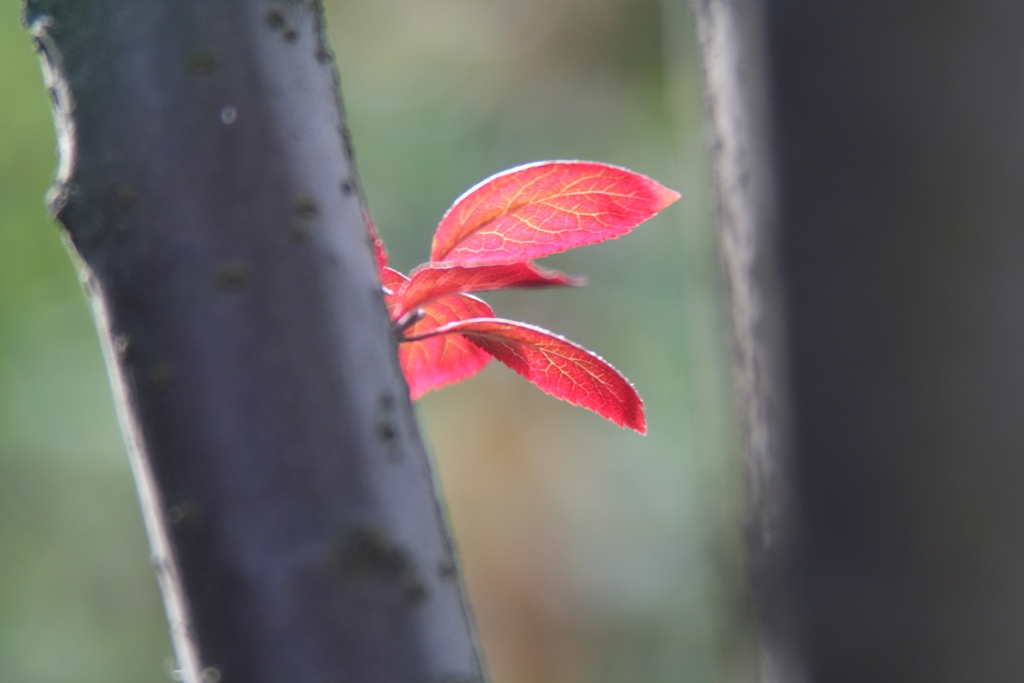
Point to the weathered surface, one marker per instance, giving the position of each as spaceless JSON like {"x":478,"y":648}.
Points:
{"x":208,"y":192}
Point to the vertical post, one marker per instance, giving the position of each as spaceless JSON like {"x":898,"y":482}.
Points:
{"x":208,"y":193}
{"x":895,"y":149}
{"x":731,"y":36}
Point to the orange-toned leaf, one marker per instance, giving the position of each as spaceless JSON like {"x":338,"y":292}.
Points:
{"x":429,"y":282}
{"x":544,"y":208}
{"x":556,"y":365}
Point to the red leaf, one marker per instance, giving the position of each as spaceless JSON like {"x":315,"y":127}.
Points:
{"x":437,"y":360}
{"x":429,"y":282}
{"x":544,"y":208}
{"x":392,"y":281}
{"x":556,"y":365}
{"x":379,"y":250}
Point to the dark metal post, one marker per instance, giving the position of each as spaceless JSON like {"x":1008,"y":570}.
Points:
{"x":891,"y":137}
{"x":208,"y":193}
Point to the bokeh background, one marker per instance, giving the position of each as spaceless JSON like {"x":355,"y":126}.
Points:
{"x":592,"y":555}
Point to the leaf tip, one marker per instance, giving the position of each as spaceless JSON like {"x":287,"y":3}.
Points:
{"x":638,"y":422}
{"x":666,"y":197}
{"x":630,"y":413}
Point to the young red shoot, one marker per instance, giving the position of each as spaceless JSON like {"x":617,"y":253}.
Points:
{"x":487,"y":241}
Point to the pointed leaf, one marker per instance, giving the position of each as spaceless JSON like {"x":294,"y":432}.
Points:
{"x":557,"y":366}
{"x":435,"y":361}
{"x":429,"y":282}
{"x":544,"y":208}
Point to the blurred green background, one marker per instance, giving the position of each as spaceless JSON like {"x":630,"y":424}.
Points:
{"x":592,"y":555}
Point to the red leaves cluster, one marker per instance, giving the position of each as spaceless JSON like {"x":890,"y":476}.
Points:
{"x":486,"y":241}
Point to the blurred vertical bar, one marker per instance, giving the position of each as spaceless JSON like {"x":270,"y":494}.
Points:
{"x":208,"y":193}
{"x":706,"y":323}
{"x":736,"y":106}
{"x":896,"y":156}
